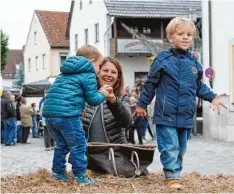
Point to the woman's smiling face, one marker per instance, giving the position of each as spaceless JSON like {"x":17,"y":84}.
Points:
{"x":108,"y":74}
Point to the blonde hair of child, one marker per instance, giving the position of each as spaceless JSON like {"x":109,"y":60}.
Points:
{"x":177,"y":22}
{"x":90,"y":52}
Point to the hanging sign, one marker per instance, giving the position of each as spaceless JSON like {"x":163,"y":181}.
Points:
{"x":209,"y":72}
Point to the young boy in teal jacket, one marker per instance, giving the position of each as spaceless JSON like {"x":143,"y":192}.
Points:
{"x":64,"y":105}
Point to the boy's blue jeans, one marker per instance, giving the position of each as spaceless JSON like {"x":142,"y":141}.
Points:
{"x":69,"y":136}
{"x":172,"y":144}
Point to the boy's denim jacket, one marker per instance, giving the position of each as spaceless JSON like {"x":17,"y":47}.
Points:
{"x":177,"y":75}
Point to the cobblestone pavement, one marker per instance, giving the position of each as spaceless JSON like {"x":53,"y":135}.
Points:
{"x":203,"y":156}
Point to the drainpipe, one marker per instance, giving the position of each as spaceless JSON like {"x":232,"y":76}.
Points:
{"x":106,"y":53}
{"x":210,"y":38}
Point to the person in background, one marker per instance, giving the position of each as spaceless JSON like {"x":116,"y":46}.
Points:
{"x":48,"y":140}
{"x":34,"y":119}
{"x":9,"y":118}
{"x":39,"y":124}
{"x":26,"y":113}
{"x":18,"y":120}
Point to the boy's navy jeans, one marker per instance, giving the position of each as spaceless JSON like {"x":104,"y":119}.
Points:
{"x":172,"y":144}
{"x":69,"y":136}
{"x":9,"y":130}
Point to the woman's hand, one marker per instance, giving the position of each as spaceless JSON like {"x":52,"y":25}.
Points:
{"x":111,"y":97}
{"x":104,"y":91}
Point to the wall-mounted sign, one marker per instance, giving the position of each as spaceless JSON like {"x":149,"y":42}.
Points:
{"x":209,"y":72}
{"x":132,"y":46}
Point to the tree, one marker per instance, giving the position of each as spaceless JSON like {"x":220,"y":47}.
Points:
{"x":19,"y":76}
{"x":4,"y":50}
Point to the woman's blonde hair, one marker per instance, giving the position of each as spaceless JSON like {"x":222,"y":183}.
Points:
{"x":174,"y":24}
{"x":90,"y":52}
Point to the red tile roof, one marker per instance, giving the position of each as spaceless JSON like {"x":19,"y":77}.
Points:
{"x":14,"y":57}
{"x":54,"y":24}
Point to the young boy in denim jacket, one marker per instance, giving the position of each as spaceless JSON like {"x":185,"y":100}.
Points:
{"x":64,"y":105}
{"x":177,"y":75}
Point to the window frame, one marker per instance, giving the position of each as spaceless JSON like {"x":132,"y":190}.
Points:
{"x":43,"y":61}
{"x":97,"y":32}
{"x":81,"y":4}
{"x":62,"y":54}
{"x":86,"y":36}
{"x":29,"y":65}
{"x":36,"y":63}
{"x":35,"y":37}
{"x":76,"y":41}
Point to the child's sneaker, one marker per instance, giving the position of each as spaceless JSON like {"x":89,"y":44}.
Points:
{"x":61,"y":177}
{"x":173,"y":183}
{"x":84,"y":179}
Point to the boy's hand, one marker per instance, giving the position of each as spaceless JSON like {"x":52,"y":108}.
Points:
{"x":83,"y":114}
{"x":139,"y":112}
{"x":104,"y":91}
{"x":216,"y":103}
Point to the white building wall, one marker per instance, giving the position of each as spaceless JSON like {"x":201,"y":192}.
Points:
{"x":8,"y":82}
{"x":33,"y":49}
{"x":130,"y":65}
{"x":86,"y":19}
{"x":219,"y":126}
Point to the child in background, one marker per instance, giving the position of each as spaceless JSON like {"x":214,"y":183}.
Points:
{"x":39,"y":124}
{"x":177,"y":75}
{"x":64,"y":105}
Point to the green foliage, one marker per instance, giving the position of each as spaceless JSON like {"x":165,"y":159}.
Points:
{"x":19,"y":76}
{"x":4,"y":50}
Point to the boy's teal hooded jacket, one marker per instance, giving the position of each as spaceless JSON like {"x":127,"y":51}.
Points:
{"x":76,"y":85}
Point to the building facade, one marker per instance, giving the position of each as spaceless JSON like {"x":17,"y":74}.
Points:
{"x":218,"y":53}
{"x":14,"y":58}
{"x":103,"y":29}
{"x":46,"y":47}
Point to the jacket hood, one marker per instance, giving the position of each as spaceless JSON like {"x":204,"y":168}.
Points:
{"x":76,"y":64}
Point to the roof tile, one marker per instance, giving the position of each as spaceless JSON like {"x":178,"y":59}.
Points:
{"x":153,"y":8}
{"x":54,"y":24}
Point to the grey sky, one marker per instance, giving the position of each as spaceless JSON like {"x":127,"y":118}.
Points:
{"x":16,"y":15}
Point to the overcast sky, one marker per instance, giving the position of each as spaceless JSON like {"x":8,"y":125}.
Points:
{"x":16,"y":15}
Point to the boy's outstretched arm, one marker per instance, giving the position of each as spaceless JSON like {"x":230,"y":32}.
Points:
{"x":204,"y":92}
{"x":148,"y":90}
{"x":216,"y":102}
{"x":89,"y":85}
